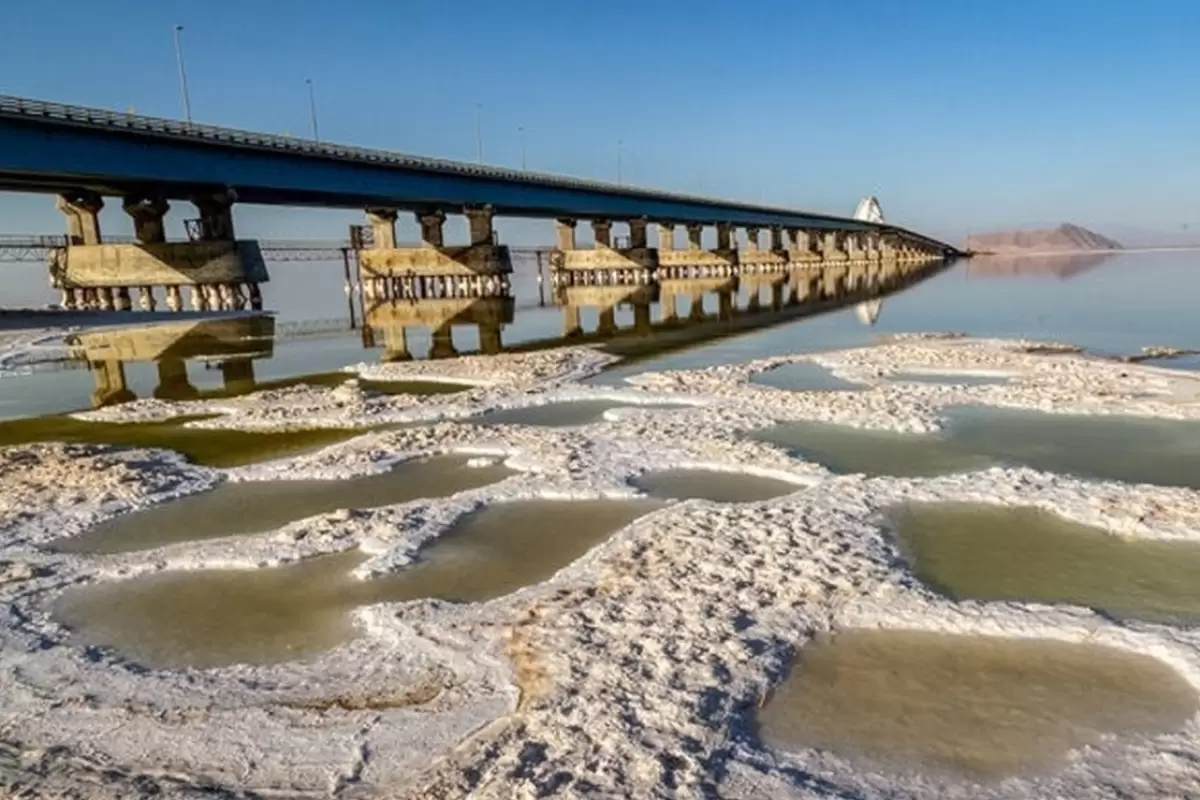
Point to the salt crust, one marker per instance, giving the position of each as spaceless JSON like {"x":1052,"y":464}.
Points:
{"x":636,"y":669}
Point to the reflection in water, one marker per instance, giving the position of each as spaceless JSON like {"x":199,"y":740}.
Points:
{"x":244,"y":507}
{"x":231,"y":345}
{"x":1122,"y":448}
{"x":1062,"y":266}
{"x":1001,"y":553}
{"x":210,"y":618}
{"x":719,"y":487}
{"x":978,"y":707}
{"x":633,"y":321}
{"x":803,"y":376}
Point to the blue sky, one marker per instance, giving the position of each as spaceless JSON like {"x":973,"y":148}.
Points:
{"x":958,"y":114}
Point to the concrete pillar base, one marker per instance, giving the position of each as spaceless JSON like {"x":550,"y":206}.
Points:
{"x":107,"y":272}
{"x":466,"y":261}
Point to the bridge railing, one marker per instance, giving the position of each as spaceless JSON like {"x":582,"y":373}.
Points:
{"x":158,"y":126}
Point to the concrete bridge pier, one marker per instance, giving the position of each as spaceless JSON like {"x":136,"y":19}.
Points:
{"x":694,"y":261}
{"x":92,"y":274}
{"x":834,"y":246}
{"x":755,"y":259}
{"x":802,"y":248}
{"x":431,"y":269}
{"x":632,"y":262}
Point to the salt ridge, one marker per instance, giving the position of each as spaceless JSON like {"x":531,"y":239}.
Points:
{"x":632,"y":672}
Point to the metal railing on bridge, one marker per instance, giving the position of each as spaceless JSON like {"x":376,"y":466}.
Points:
{"x":37,"y":248}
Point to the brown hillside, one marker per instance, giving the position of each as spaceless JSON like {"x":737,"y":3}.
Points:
{"x":1065,"y":237}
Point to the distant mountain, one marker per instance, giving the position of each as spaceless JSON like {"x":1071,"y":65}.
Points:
{"x":1064,"y":238}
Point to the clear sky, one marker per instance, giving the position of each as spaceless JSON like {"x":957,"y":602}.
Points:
{"x":958,"y":114}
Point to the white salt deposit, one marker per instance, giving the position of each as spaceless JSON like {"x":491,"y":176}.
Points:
{"x":635,"y":670}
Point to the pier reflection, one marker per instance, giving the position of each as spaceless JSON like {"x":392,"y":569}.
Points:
{"x":628,"y":319}
{"x":229,"y":345}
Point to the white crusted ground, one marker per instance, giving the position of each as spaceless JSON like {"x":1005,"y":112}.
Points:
{"x":636,"y":670}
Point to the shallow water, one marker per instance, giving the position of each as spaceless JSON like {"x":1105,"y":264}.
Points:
{"x":211,"y":618}
{"x":803,"y":376}
{"x":245,"y":507}
{"x":564,"y":414}
{"x":967,"y":706}
{"x":1111,"y":447}
{"x":719,"y":487}
{"x":990,"y":552}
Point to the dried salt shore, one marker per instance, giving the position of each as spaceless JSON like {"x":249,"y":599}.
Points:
{"x":635,"y":670}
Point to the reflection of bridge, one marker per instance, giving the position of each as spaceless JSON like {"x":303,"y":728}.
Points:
{"x":83,"y":155}
{"x":233,"y":343}
{"x":667,"y":314}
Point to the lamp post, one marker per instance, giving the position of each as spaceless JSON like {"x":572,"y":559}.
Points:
{"x":312,"y":110}
{"x":183,"y":87}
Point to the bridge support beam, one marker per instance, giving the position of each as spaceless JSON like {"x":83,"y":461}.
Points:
{"x":695,"y":261}
{"x":834,"y":244}
{"x":631,"y":263}
{"x":754,"y":259}
{"x":93,"y":274}
{"x":802,"y":247}
{"x":432,"y":269}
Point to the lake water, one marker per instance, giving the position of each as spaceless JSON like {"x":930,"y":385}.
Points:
{"x":1116,"y":447}
{"x":988,"y":552}
{"x":241,"y":507}
{"x":974,"y":707}
{"x":1112,"y":304}
{"x":211,"y":618}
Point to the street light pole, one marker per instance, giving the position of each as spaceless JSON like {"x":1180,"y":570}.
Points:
{"x":479,"y":133}
{"x":312,"y":110}
{"x":183,"y":87}
{"x":521,"y":130}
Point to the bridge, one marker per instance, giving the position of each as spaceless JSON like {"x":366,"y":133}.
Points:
{"x":82,"y":155}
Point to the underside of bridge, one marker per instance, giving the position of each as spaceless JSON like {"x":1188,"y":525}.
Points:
{"x":85,"y":155}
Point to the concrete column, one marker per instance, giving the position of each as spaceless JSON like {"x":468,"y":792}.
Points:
{"x":641,"y":317}
{"x":694,"y":232}
{"x":751,"y":240}
{"x":479,"y":223}
{"x":82,"y":210}
{"x":110,"y":385}
{"x":637,"y":234}
{"x":725,"y":305}
{"x":489,"y":338}
{"x":442,"y":342}
{"x":565,"y":232}
{"x":666,"y":305}
{"x":383,"y":227}
{"x":173,"y":383}
{"x":606,"y":324}
{"x":395,"y":344}
{"x":572,"y":321}
{"x":776,"y":238}
{"x":237,"y":375}
{"x":602,"y":232}
{"x":724,"y":236}
{"x":216,"y":216}
{"x":147,"y":214}
{"x":696,"y":311}
{"x":432,"y":232}
{"x":666,"y":236}
{"x":835,"y":246}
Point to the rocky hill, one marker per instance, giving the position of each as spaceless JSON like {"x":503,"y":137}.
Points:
{"x":1064,"y":238}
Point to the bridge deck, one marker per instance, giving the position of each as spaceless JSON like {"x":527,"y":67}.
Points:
{"x":49,"y":147}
